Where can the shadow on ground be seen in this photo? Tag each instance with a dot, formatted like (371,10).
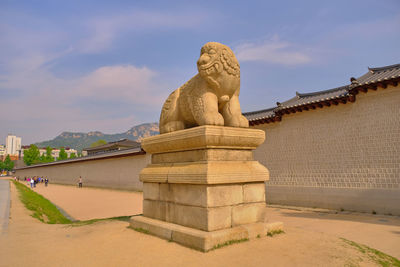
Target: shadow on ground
(344,216)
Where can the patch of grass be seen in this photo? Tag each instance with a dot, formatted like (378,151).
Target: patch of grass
(119,218)
(42,209)
(375,255)
(230,242)
(275,232)
(47,212)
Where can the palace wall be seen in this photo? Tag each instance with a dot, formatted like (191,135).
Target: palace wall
(339,157)
(115,171)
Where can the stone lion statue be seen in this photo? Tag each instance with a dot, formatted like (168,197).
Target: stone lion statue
(211,97)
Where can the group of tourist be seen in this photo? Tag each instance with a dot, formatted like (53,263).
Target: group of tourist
(32,181)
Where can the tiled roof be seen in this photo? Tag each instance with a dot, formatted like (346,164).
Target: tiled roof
(373,78)
(260,114)
(298,101)
(121,143)
(315,97)
(376,75)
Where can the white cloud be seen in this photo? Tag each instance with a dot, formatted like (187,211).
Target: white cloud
(120,82)
(102,31)
(110,99)
(272,51)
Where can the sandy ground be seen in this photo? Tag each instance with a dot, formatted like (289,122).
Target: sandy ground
(307,241)
(376,231)
(92,203)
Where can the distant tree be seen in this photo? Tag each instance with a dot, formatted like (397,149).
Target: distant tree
(49,157)
(80,154)
(72,155)
(98,143)
(8,164)
(42,158)
(63,155)
(1,165)
(31,155)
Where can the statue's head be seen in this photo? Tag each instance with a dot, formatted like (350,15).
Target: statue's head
(217,62)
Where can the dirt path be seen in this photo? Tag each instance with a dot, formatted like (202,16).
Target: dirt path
(4,205)
(29,242)
(92,203)
(376,231)
(379,232)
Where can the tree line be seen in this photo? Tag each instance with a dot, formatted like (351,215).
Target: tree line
(32,155)
(7,164)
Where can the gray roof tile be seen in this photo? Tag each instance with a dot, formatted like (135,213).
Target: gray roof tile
(315,97)
(123,143)
(260,114)
(373,76)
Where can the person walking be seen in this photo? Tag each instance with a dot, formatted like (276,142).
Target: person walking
(80,182)
(46,181)
(32,182)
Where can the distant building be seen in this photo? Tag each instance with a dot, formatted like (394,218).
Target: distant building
(2,152)
(13,146)
(55,153)
(110,147)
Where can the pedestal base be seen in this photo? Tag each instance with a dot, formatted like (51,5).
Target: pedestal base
(202,240)
(205,207)
(203,187)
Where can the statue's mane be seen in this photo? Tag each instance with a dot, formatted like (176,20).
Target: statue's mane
(229,61)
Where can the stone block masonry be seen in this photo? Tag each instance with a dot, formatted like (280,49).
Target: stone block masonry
(207,189)
(213,207)
(341,157)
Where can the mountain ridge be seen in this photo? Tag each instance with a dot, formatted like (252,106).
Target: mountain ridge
(81,140)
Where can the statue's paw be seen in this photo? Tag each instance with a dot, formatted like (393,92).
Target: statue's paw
(172,126)
(232,122)
(244,123)
(237,121)
(214,119)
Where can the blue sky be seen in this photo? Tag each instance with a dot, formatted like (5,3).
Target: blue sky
(109,65)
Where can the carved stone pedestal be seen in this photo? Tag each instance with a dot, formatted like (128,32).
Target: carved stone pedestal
(203,187)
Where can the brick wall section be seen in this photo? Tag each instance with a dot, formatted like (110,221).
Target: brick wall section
(117,173)
(345,156)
